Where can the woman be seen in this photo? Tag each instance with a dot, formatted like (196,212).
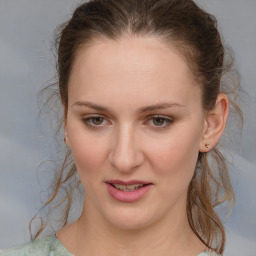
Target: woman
(140,82)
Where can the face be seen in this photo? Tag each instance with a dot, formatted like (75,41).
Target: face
(134,116)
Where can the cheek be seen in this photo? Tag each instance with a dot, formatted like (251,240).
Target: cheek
(174,165)
(89,154)
(175,157)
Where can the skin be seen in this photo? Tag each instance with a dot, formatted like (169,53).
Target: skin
(125,76)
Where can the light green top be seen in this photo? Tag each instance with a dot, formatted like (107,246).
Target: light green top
(51,246)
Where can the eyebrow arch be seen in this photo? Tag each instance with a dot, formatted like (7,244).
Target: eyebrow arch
(158,106)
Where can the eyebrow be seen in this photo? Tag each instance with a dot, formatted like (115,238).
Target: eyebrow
(158,106)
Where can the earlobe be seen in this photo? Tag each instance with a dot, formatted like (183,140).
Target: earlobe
(214,124)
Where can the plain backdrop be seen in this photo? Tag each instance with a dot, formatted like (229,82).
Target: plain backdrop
(27,65)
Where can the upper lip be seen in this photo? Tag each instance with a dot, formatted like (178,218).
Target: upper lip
(130,182)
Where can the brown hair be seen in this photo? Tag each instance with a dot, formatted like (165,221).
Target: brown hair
(194,33)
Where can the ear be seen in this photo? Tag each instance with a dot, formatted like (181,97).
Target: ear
(214,123)
(66,138)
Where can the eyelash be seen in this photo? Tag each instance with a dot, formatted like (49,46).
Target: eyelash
(167,121)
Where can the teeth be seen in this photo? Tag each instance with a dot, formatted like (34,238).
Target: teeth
(127,188)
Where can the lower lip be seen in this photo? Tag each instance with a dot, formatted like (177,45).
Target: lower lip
(128,196)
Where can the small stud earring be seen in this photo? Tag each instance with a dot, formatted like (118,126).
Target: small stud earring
(207,145)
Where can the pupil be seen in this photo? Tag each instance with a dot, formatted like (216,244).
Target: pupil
(97,120)
(158,121)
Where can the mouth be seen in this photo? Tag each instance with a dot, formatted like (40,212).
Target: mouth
(128,188)
(128,191)
(128,185)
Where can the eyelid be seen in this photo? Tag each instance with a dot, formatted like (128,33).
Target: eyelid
(161,116)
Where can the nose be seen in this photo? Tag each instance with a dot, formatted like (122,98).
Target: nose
(125,154)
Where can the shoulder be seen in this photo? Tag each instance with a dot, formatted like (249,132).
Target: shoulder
(48,246)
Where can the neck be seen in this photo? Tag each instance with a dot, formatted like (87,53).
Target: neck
(170,236)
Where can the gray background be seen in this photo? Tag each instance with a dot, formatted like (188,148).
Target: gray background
(27,65)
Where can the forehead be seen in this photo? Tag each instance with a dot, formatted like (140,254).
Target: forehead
(131,66)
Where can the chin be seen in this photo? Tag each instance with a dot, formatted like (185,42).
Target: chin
(128,219)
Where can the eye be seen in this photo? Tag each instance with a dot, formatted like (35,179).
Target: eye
(93,121)
(97,120)
(157,121)
(161,122)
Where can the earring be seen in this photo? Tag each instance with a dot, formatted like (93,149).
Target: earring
(206,145)
(64,139)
